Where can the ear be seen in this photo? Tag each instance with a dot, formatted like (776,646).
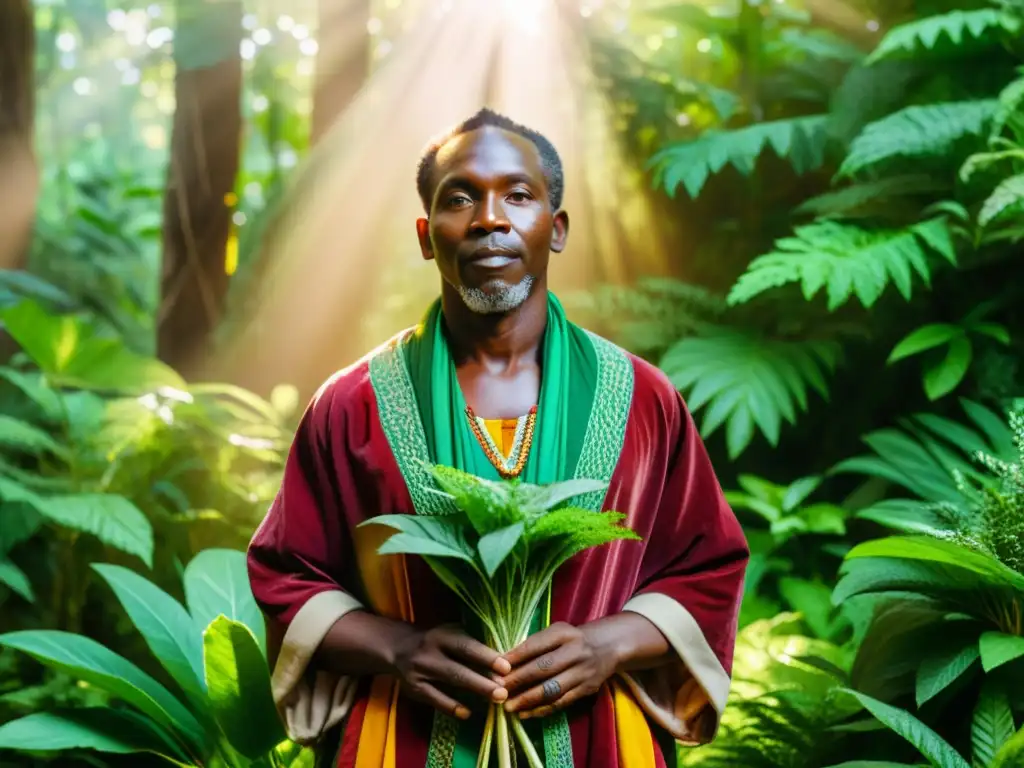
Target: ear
(423,233)
(559,231)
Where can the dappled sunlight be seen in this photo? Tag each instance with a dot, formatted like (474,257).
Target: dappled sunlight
(347,270)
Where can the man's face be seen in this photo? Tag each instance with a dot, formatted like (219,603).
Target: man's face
(491,226)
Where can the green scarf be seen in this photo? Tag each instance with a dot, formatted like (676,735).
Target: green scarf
(568,383)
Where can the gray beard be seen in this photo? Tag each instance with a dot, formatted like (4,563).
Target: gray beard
(500,297)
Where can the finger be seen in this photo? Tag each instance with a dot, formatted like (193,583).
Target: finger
(462,647)
(451,673)
(548,692)
(542,668)
(563,702)
(543,642)
(428,694)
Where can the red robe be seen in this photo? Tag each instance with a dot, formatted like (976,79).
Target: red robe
(686,576)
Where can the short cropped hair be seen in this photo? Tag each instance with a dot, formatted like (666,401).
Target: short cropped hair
(549,159)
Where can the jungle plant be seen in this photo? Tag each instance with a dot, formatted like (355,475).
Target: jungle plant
(213,651)
(497,551)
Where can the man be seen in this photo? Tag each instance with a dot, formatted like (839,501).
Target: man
(369,660)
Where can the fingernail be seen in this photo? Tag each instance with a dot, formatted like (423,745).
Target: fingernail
(502,667)
(524,716)
(462,713)
(499,695)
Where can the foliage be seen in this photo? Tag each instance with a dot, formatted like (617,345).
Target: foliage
(224,710)
(498,551)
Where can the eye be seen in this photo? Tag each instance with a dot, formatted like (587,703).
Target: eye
(519,196)
(457,200)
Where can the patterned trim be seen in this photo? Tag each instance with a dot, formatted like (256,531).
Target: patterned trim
(400,419)
(606,428)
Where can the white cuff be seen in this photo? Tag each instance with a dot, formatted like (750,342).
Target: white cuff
(310,701)
(678,698)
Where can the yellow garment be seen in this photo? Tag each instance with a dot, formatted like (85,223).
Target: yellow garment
(387,585)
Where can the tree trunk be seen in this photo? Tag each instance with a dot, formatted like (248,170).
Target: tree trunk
(199,199)
(343,61)
(19,174)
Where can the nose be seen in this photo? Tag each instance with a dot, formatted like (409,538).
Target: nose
(490,216)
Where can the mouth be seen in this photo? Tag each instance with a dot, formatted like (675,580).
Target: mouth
(492,258)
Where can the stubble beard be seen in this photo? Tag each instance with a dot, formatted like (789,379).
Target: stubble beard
(497,297)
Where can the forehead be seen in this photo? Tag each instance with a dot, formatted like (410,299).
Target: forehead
(488,153)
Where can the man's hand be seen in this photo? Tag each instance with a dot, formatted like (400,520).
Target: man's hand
(428,663)
(557,667)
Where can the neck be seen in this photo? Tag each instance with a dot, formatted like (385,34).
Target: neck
(505,338)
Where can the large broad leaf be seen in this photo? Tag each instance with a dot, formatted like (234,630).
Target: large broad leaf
(547,497)
(87,660)
(943,552)
(905,515)
(800,140)
(12,577)
(955,26)
(916,132)
(927,742)
(217,584)
(112,519)
(992,725)
(998,648)
(955,652)
(497,545)
(101,729)
(846,260)
(171,634)
(33,386)
(924,338)
(71,351)
(411,544)
(239,686)
(744,381)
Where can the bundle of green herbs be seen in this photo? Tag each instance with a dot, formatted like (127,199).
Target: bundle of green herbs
(498,551)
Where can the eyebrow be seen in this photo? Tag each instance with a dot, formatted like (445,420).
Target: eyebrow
(464,181)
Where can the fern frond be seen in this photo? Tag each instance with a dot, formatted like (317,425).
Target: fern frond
(956,26)
(1009,194)
(743,381)
(931,130)
(845,259)
(799,140)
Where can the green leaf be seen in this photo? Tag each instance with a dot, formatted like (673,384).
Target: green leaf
(918,131)
(12,577)
(924,338)
(812,600)
(551,496)
(1012,753)
(494,547)
(94,664)
(992,725)
(825,518)
(1008,194)
(927,742)
(844,259)
(217,584)
(943,666)
(72,352)
(994,331)
(239,685)
(100,728)
(938,551)
(114,520)
(800,140)
(998,648)
(34,387)
(905,515)
(944,377)
(23,437)
(170,633)
(411,544)
(956,26)
(757,382)
(798,492)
